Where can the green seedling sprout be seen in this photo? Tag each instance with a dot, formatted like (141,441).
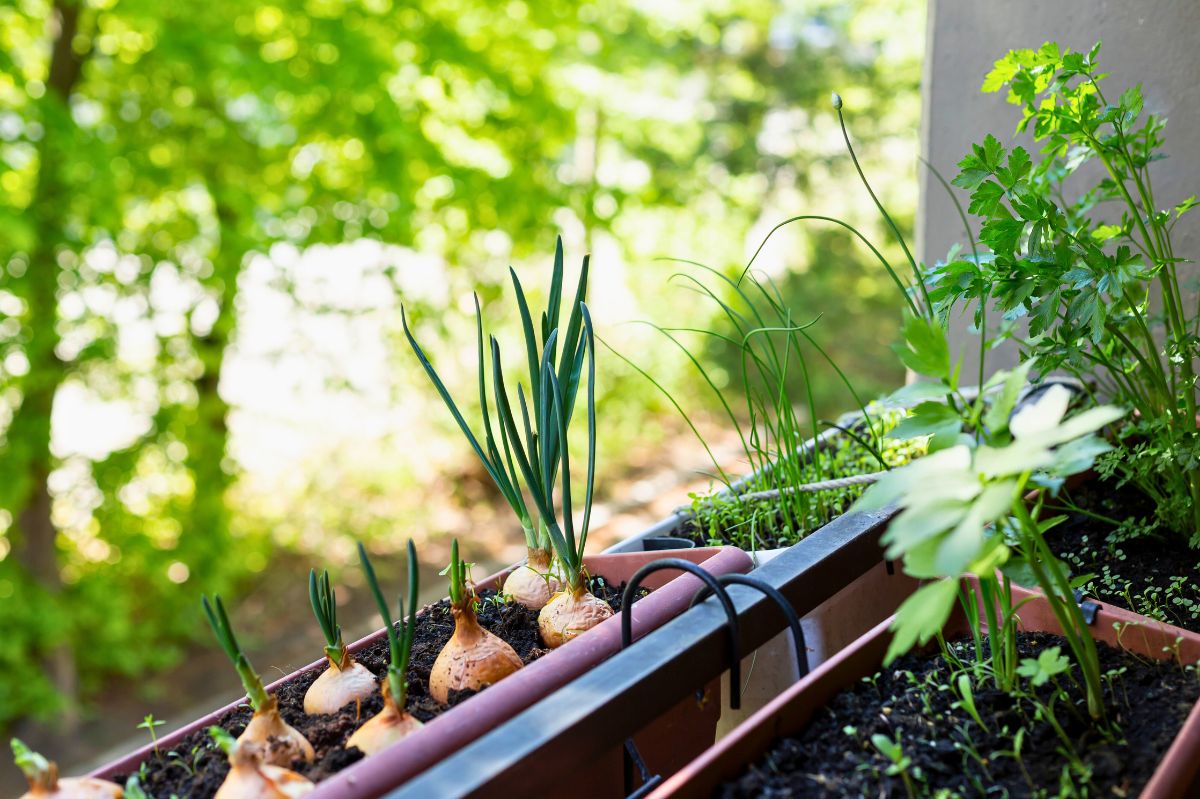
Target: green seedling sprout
(394,722)
(532,585)
(266,723)
(473,658)
(149,723)
(345,681)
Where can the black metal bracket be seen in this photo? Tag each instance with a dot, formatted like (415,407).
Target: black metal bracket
(789,614)
(712,585)
(1089,608)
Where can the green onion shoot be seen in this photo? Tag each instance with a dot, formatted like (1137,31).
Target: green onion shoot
(393,722)
(473,658)
(533,583)
(345,680)
(280,742)
(42,775)
(574,610)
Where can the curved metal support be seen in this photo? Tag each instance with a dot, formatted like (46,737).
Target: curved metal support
(630,755)
(789,614)
(631,589)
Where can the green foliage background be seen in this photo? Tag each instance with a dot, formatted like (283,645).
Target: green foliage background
(144,142)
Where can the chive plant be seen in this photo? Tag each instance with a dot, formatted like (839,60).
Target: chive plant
(251,778)
(533,583)
(544,466)
(281,743)
(394,722)
(773,350)
(473,658)
(345,680)
(44,782)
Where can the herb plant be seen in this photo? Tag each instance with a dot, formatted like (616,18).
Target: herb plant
(345,680)
(394,722)
(964,512)
(533,584)
(266,726)
(1101,292)
(474,657)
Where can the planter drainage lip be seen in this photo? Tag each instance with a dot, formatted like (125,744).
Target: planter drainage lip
(597,711)
(460,725)
(1176,777)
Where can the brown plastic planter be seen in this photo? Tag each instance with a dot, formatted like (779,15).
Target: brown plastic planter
(1177,775)
(464,723)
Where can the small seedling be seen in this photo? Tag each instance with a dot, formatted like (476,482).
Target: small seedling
(149,723)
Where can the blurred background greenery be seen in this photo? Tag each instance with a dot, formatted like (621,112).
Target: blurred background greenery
(211,211)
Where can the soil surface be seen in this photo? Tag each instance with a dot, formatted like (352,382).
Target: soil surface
(1157,576)
(947,749)
(195,768)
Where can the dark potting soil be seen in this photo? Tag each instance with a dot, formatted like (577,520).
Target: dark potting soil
(1157,576)
(835,757)
(195,768)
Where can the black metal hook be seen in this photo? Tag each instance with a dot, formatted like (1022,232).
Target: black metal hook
(789,614)
(713,585)
(631,756)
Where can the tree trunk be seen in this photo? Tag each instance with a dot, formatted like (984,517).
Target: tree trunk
(29,434)
(207,438)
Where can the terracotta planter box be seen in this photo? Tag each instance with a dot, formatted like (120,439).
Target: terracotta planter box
(1177,775)
(464,723)
(828,629)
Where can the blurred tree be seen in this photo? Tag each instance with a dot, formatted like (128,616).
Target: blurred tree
(150,151)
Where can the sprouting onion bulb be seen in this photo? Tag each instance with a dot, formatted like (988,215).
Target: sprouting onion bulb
(345,680)
(534,583)
(251,778)
(536,580)
(573,610)
(393,723)
(473,658)
(44,782)
(280,743)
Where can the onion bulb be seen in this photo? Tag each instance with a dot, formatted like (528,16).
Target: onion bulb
(44,783)
(535,581)
(570,613)
(473,658)
(384,728)
(251,778)
(338,687)
(279,741)
(345,681)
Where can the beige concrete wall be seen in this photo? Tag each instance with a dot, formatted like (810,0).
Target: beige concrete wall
(1152,42)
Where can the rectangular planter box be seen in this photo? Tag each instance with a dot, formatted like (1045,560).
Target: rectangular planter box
(1177,775)
(464,723)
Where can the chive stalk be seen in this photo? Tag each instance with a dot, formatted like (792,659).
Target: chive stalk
(281,743)
(345,680)
(393,722)
(473,658)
